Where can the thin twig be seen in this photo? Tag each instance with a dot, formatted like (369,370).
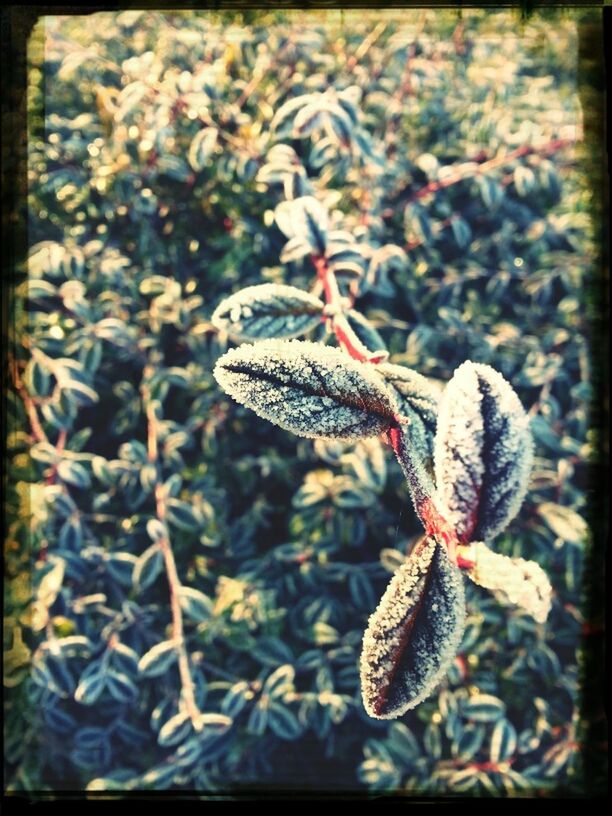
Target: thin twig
(365,46)
(37,429)
(472,170)
(174,583)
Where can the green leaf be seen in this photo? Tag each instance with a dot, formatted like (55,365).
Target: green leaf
(564,522)
(175,730)
(268,310)
(258,719)
(483,708)
(158,659)
(310,389)
(148,566)
(71,534)
(73,473)
(202,147)
(461,232)
(120,687)
(419,400)
(195,604)
(469,742)
(492,193)
(304,217)
(365,331)
(236,699)
(280,681)
(503,741)
(272,651)
(182,515)
(90,688)
(295,249)
(283,722)
(157,530)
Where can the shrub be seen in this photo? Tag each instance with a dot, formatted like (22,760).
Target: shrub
(188,585)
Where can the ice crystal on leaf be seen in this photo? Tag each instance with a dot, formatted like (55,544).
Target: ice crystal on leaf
(268,310)
(414,634)
(514,580)
(483,452)
(310,389)
(418,398)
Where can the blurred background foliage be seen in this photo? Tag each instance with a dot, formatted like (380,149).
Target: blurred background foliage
(147,205)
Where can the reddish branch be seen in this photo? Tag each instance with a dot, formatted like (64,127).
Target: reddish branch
(436,525)
(345,335)
(469,171)
(174,583)
(59,449)
(434,522)
(37,429)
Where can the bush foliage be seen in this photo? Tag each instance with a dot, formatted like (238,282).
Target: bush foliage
(167,549)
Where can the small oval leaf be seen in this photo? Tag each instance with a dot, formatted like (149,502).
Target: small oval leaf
(268,310)
(308,388)
(503,741)
(414,634)
(483,708)
(514,580)
(148,566)
(483,452)
(195,605)
(158,659)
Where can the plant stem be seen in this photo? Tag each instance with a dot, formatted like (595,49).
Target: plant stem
(420,484)
(174,583)
(345,335)
(422,493)
(37,429)
(470,170)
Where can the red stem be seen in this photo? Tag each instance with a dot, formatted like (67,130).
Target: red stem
(486,167)
(421,492)
(419,483)
(345,335)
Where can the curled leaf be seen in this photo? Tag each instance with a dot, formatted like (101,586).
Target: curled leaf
(268,310)
(513,580)
(310,389)
(483,452)
(414,634)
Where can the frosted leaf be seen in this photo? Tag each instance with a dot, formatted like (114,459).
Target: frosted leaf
(419,399)
(307,388)
(414,634)
(483,452)
(268,310)
(282,154)
(305,217)
(366,332)
(513,580)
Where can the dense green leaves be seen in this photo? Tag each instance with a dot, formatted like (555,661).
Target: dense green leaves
(430,167)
